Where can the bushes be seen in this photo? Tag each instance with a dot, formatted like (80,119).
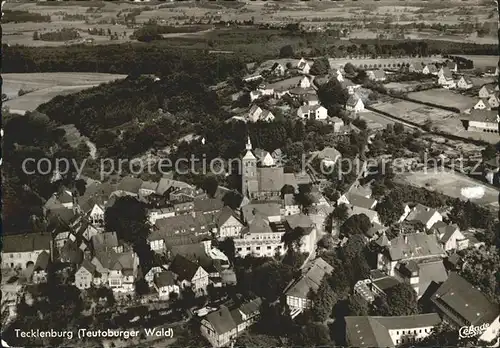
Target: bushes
(64,34)
(15,16)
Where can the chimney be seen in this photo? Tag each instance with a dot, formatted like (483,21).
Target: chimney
(406,239)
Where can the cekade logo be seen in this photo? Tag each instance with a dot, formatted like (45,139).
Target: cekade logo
(472,331)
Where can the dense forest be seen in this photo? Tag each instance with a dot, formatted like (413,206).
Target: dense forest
(126,59)
(23,193)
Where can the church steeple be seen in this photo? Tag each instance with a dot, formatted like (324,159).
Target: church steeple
(248,146)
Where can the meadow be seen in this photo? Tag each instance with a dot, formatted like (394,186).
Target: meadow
(444,97)
(42,87)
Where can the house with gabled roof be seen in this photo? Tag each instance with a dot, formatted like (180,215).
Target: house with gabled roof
(494,100)
(228,223)
(450,236)
(452,66)
(447,82)
(352,198)
(486,91)
(312,112)
(116,270)
(420,274)
(106,241)
(165,284)
(464,83)
(22,250)
(303,223)
(303,66)
(128,186)
(223,326)
(254,113)
(412,246)
(354,104)
(481,121)
(427,216)
(189,274)
(260,238)
(277,69)
(482,104)
(445,71)
(84,275)
(298,292)
(460,304)
(375,331)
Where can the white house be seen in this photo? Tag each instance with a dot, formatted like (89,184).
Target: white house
(445,71)
(447,82)
(267,116)
(449,236)
(254,113)
(21,251)
(482,104)
(303,66)
(259,239)
(290,205)
(464,83)
(494,100)
(312,112)
(328,156)
(228,225)
(389,331)
(354,104)
(165,284)
(298,292)
(189,274)
(486,91)
(482,121)
(278,69)
(305,82)
(96,215)
(427,216)
(84,276)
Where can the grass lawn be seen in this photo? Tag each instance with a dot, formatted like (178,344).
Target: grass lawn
(444,97)
(451,184)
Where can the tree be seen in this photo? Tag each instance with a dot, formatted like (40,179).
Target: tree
(489,152)
(323,301)
(390,209)
(356,224)
(227,247)
(341,213)
(320,66)
(481,268)
(401,300)
(287,52)
(357,306)
(332,94)
(128,218)
(232,199)
(209,185)
(398,128)
(312,335)
(349,69)
(326,242)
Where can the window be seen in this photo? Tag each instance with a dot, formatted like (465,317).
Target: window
(269,247)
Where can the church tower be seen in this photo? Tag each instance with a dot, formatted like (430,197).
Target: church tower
(248,169)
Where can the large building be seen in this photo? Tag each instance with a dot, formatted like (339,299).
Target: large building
(297,293)
(263,182)
(389,331)
(461,304)
(417,247)
(20,251)
(481,121)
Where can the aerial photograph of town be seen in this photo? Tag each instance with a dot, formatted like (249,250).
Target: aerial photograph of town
(249,173)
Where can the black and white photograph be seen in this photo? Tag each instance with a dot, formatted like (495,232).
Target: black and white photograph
(250,173)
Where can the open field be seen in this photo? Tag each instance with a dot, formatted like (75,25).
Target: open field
(451,184)
(311,14)
(45,86)
(481,61)
(444,97)
(413,112)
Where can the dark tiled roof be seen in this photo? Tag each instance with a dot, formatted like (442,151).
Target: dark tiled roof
(310,280)
(208,204)
(221,320)
(105,240)
(130,184)
(466,301)
(416,245)
(164,279)
(25,242)
(374,331)
(183,268)
(42,261)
